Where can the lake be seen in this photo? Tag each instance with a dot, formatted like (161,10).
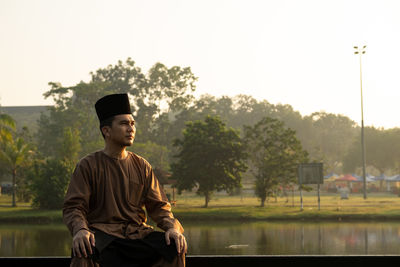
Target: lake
(256,238)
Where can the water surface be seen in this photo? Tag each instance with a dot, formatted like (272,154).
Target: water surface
(260,238)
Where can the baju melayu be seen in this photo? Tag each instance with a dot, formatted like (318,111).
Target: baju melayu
(107,196)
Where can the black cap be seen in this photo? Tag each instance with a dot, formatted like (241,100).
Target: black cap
(111,105)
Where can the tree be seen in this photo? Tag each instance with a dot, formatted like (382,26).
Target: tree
(174,86)
(49,182)
(161,90)
(333,135)
(155,154)
(14,153)
(74,106)
(74,110)
(382,150)
(70,146)
(15,156)
(274,154)
(7,128)
(7,125)
(49,178)
(211,157)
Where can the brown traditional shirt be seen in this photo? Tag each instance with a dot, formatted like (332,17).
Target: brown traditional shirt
(110,195)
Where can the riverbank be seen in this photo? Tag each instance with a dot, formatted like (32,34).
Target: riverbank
(218,214)
(284,214)
(378,207)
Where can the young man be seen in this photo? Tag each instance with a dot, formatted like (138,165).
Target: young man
(105,201)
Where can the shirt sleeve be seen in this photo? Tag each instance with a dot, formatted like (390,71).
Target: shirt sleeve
(76,201)
(157,205)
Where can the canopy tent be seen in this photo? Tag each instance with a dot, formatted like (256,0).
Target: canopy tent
(394,178)
(331,177)
(347,178)
(381,177)
(332,174)
(368,177)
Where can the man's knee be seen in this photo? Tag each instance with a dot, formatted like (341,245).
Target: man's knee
(178,261)
(83,262)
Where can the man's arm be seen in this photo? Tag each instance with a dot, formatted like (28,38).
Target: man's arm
(159,209)
(75,209)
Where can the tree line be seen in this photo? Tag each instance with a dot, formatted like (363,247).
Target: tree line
(205,143)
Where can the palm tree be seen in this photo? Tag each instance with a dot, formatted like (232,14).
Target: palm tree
(7,127)
(14,154)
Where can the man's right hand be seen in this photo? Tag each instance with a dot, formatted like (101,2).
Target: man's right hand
(82,243)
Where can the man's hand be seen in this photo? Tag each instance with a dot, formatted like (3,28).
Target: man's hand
(82,242)
(180,240)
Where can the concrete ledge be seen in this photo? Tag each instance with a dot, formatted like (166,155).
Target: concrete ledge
(222,260)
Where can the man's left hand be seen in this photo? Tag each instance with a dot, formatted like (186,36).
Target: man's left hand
(180,240)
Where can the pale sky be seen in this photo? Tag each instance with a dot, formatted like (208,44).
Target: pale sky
(293,52)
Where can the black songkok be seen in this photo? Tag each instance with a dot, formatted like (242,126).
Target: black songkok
(111,105)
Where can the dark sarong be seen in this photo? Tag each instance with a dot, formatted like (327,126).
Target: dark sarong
(116,252)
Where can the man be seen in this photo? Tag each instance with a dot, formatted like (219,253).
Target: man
(105,201)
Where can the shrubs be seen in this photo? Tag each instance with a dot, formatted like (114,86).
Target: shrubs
(49,182)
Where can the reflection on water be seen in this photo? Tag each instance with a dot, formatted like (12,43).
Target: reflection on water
(34,240)
(296,239)
(261,238)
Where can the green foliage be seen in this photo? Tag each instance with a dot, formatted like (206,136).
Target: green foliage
(74,106)
(331,138)
(382,150)
(211,157)
(70,145)
(326,136)
(70,129)
(49,178)
(171,85)
(274,153)
(170,88)
(7,125)
(49,182)
(155,154)
(15,153)
(162,102)
(71,113)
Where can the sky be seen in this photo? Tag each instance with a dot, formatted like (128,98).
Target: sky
(296,52)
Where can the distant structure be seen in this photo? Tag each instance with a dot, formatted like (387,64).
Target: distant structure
(25,115)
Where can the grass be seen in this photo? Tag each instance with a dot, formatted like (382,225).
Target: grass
(244,208)
(24,213)
(332,208)
(247,207)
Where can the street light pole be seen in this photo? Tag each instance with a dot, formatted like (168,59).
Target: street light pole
(360,52)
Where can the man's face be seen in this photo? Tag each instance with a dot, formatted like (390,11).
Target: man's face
(123,130)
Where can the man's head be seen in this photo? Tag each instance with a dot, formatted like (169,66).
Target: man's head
(116,120)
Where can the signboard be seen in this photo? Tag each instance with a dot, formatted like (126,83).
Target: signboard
(310,173)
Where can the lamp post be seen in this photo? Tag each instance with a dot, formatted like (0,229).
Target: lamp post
(360,51)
